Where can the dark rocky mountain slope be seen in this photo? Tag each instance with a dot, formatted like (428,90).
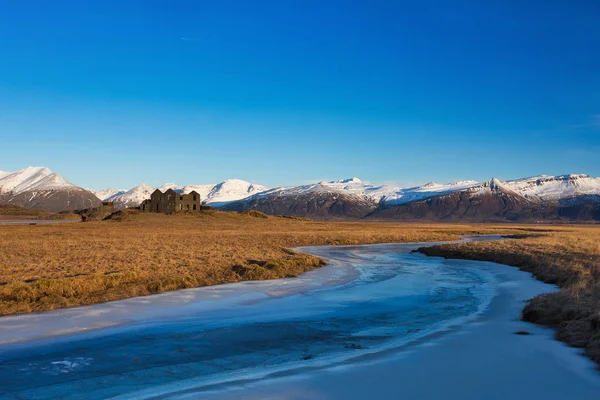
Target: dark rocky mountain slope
(53,200)
(318,205)
(492,202)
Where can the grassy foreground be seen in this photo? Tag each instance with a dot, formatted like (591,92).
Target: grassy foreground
(566,256)
(9,211)
(43,267)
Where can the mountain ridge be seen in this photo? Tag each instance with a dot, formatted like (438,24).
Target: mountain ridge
(528,199)
(543,197)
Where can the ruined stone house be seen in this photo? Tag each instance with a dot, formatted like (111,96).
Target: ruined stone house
(170,201)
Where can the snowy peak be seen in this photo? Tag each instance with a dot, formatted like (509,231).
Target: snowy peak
(132,197)
(346,181)
(351,185)
(32,178)
(495,187)
(51,182)
(231,190)
(106,194)
(494,184)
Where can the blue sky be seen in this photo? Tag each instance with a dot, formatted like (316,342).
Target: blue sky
(115,93)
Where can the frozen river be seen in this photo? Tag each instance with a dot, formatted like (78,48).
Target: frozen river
(377,321)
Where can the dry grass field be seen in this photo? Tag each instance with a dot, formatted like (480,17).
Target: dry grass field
(12,212)
(43,267)
(567,256)
(9,211)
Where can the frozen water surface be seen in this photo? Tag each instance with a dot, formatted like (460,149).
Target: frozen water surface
(371,304)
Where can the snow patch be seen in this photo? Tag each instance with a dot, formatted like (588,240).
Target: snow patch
(107,194)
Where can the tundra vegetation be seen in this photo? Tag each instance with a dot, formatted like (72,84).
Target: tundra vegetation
(43,267)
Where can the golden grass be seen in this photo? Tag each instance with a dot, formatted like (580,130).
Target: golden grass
(9,211)
(44,267)
(566,256)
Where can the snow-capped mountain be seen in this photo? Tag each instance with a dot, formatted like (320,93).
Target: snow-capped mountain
(211,194)
(543,198)
(492,187)
(550,188)
(344,197)
(385,194)
(312,203)
(493,199)
(41,188)
(132,197)
(390,194)
(32,178)
(226,191)
(105,194)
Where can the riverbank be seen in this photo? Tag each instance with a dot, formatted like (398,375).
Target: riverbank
(378,321)
(569,258)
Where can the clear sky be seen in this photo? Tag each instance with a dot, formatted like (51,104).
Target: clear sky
(281,92)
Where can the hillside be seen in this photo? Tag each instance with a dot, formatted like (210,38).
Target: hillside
(311,204)
(39,187)
(547,200)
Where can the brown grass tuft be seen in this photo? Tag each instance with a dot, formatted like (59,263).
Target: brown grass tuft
(254,213)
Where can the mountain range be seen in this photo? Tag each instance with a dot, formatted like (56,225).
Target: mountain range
(536,199)
(574,197)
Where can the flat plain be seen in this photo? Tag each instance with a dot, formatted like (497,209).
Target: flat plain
(135,254)
(44,267)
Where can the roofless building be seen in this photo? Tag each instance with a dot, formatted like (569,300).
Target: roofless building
(170,201)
